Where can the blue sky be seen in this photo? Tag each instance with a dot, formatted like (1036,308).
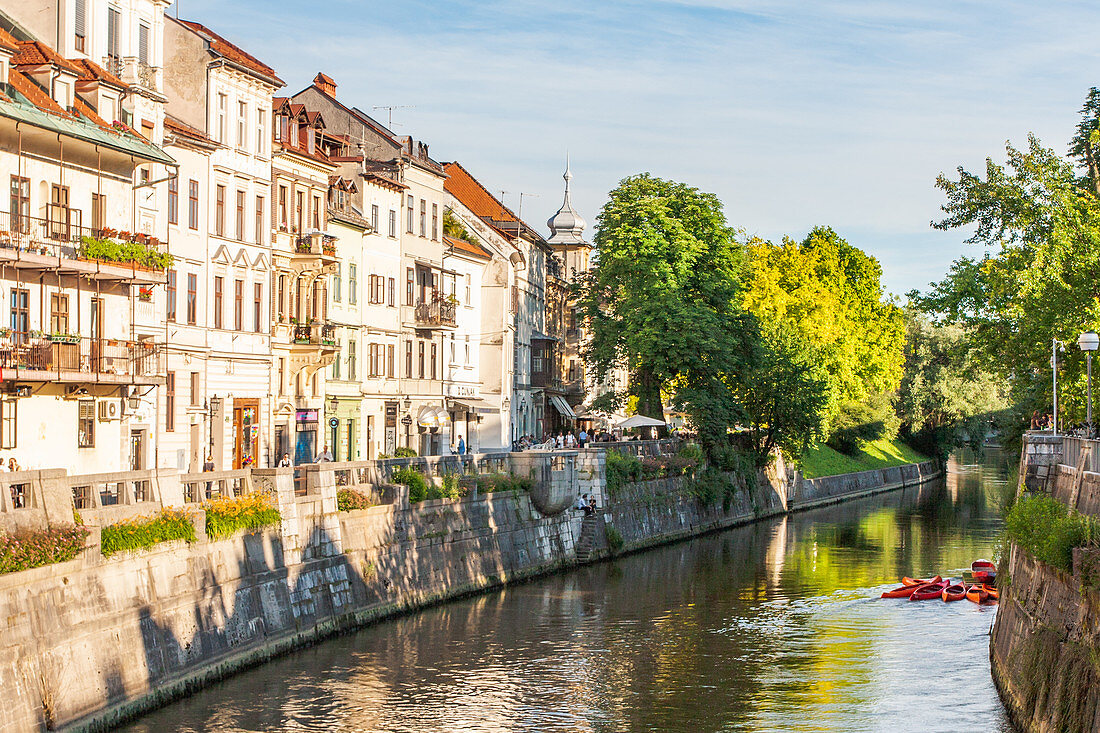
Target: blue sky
(794,113)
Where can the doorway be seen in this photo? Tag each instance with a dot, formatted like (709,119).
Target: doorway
(137,450)
(246,432)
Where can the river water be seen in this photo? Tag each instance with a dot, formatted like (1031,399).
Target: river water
(776,626)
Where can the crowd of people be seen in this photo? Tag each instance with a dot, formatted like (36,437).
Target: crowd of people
(568,440)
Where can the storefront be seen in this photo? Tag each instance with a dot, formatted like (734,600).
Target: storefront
(246,432)
(344,423)
(305,436)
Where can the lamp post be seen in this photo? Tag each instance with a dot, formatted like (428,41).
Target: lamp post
(1055,346)
(1088,341)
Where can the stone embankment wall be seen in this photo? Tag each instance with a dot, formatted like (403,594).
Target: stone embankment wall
(90,642)
(1047,634)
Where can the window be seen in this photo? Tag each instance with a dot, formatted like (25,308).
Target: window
(59,313)
(170,402)
(173,201)
(408,359)
(374,217)
(143,44)
(220,125)
(351,360)
(300,203)
(515,299)
(336,363)
(423,218)
(311,140)
(218,292)
(393,223)
(242,125)
(192,298)
(240,216)
(469,294)
(410,287)
(336,282)
(392,292)
(452,349)
(170,307)
(114,58)
(195,390)
(85,424)
(389,361)
(572,369)
(7,422)
(259,220)
(409,212)
(435,221)
(282,208)
(20,314)
(261,131)
(467,350)
(420,358)
(193,204)
(80,25)
(433,360)
(20,204)
(353,285)
(280,303)
(317,213)
(238,305)
(372,360)
(219,212)
(257,307)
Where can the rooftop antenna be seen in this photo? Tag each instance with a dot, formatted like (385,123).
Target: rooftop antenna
(502,207)
(389,111)
(519,214)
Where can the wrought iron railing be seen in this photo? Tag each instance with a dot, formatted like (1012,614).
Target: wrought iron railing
(318,245)
(63,354)
(62,234)
(439,311)
(315,334)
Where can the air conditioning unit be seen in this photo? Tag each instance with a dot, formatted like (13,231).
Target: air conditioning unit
(110,410)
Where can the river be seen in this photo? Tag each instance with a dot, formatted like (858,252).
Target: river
(776,626)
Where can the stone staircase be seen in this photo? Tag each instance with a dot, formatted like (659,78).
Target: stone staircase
(593,536)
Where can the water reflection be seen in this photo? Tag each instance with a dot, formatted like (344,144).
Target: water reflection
(776,626)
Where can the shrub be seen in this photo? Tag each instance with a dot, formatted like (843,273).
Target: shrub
(404,453)
(452,486)
(136,534)
(490,482)
(349,500)
(614,539)
(418,485)
(225,516)
(622,468)
(691,451)
(1048,531)
(24,550)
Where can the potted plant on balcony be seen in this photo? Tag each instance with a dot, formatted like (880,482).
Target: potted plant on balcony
(5,332)
(303,246)
(60,337)
(145,293)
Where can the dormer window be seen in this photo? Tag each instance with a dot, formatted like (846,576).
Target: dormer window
(294,140)
(310,140)
(62,94)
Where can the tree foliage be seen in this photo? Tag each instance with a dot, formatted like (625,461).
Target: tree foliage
(1041,277)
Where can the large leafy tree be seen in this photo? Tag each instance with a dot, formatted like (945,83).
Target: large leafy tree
(663,295)
(1040,280)
(829,293)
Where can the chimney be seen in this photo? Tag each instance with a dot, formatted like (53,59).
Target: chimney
(325,84)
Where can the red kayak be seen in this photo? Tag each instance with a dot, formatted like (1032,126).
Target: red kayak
(982,594)
(903,591)
(928,592)
(917,581)
(953,592)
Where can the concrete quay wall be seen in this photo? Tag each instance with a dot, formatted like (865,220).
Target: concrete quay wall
(91,642)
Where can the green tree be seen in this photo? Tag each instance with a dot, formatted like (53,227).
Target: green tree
(1041,278)
(947,394)
(830,293)
(663,296)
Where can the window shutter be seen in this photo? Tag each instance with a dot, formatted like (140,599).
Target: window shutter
(112,32)
(79,23)
(143,44)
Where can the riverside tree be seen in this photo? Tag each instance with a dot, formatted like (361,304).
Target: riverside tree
(1041,279)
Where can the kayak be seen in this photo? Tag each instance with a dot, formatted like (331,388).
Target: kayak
(991,591)
(929,591)
(903,591)
(983,565)
(954,592)
(978,594)
(917,581)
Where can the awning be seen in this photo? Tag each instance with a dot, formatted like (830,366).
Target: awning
(473,406)
(431,417)
(562,406)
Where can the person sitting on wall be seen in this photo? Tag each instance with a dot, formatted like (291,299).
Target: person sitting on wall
(582,502)
(325,456)
(590,507)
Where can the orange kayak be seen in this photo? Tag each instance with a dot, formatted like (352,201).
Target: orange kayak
(903,591)
(977,594)
(955,592)
(991,592)
(917,581)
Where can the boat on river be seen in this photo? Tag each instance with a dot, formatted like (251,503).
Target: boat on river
(928,592)
(953,592)
(917,581)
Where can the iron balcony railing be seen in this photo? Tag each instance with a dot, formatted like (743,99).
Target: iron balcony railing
(63,355)
(315,334)
(317,245)
(61,234)
(438,311)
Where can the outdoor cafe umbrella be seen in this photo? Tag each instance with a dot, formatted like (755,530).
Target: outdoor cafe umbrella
(640,421)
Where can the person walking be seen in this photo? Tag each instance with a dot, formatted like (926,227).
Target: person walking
(582,439)
(461,446)
(559,441)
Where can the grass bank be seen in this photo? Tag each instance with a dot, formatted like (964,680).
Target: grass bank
(824,461)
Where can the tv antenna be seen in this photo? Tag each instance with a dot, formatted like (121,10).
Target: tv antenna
(389,111)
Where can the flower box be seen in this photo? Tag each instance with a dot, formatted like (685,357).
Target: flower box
(64,338)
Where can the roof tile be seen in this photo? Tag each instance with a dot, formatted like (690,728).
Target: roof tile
(222,47)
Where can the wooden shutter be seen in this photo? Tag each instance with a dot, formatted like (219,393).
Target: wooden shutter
(143,44)
(112,32)
(80,21)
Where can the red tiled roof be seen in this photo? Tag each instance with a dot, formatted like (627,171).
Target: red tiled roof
(36,53)
(177,127)
(91,71)
(324,78)
(477,198)
(463,246)
(8,41)
(222,47)
(33,93)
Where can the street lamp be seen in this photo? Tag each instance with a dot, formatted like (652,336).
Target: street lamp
(1089,341)
(1055,347)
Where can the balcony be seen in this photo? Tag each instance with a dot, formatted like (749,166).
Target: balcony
(315,334)
(314,252)
(438,312)
(132,70)
(61,243)
(76,359)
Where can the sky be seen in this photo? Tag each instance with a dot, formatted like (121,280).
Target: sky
(795,113)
